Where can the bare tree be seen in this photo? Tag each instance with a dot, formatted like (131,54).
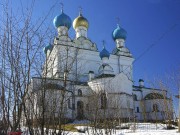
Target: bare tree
(21,40)
(175,77)
(162,100)
(54,89)
(105,109)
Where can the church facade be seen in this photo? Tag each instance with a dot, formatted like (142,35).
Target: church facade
(89,83)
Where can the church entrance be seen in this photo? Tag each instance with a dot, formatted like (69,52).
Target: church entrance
(80,113)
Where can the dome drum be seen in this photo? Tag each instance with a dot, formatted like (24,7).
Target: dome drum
(62,30)
(81,31)
(120,43)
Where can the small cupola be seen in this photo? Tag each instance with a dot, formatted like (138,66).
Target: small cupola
(91,75)
(119,35)
(141,83)
(104,53)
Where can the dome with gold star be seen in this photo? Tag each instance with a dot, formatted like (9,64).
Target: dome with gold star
(80,21)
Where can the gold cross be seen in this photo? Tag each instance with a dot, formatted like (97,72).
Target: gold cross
(118,20)
(80,10)
(62,7)
(103,43)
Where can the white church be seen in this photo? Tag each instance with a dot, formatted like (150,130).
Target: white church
(89,83)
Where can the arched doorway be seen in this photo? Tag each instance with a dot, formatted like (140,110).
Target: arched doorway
(80,108)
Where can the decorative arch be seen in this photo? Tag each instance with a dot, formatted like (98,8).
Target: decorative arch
(153,96)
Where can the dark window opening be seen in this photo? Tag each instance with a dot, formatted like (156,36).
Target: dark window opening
(103,101)
(87,107)
(134,97)
(155,108)
(79,92)
(80,110)
(137,109)
(69,103)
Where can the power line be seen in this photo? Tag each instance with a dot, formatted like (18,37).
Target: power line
(152,45)
(155,43)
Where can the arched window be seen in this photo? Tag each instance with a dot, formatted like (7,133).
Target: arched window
(155,108)
(103,101)
(134,97)
(79,92)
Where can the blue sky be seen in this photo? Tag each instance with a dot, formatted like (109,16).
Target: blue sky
(148,23)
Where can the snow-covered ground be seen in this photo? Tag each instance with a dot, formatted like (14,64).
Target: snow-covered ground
(135,129)
(140,129)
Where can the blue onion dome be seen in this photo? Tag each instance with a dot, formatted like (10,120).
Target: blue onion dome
(119,33)
(62,20)
(104,53)
(48,47)
(80,21)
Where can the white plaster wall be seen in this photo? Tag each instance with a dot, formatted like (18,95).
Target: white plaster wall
(138,94)
(81,31)
(121,83)
(90,61)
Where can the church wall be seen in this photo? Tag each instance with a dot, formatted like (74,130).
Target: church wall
(121,83)
(124,62)
(91,61)
(88,61)
(163,111)
(138,94)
